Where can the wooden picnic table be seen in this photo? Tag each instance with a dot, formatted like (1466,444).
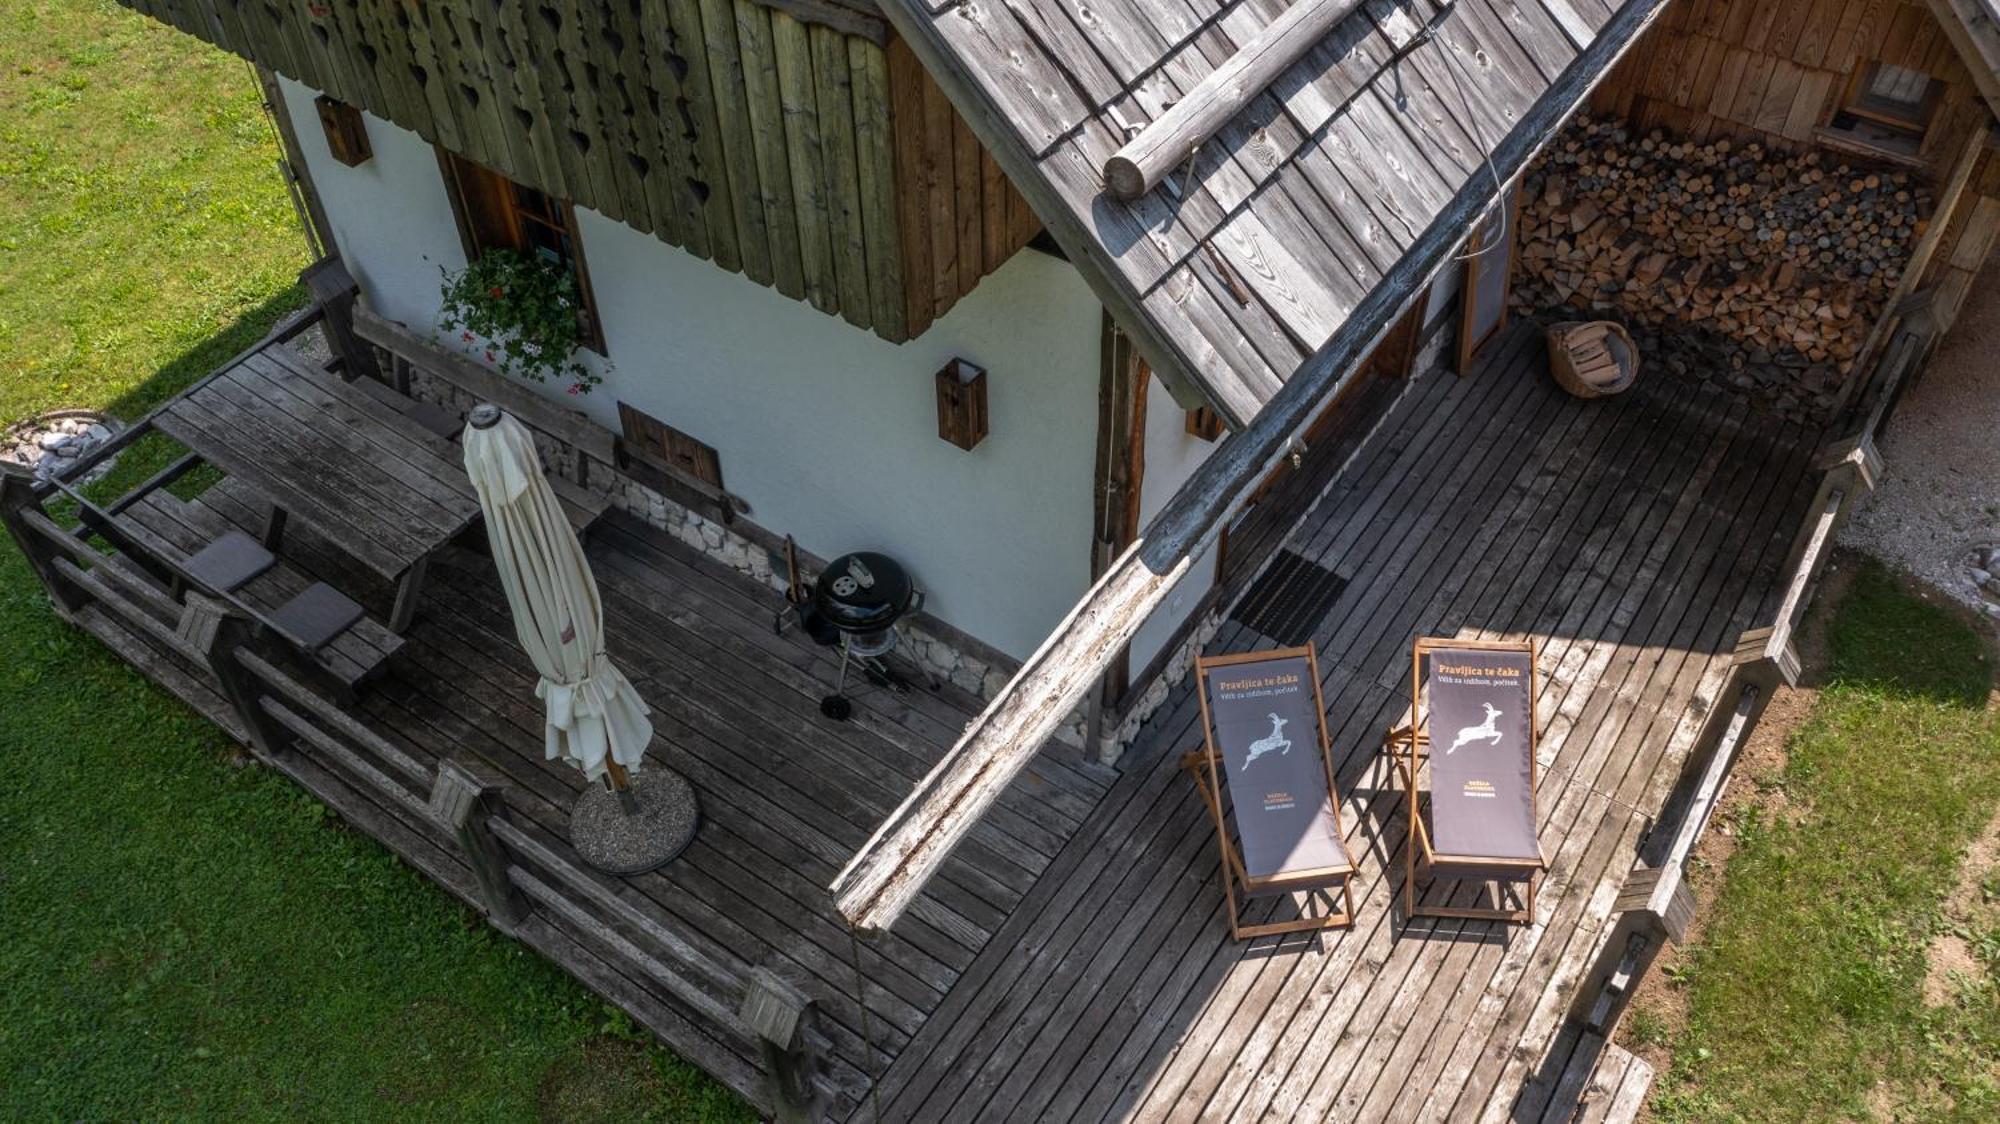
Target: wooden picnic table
(385,489)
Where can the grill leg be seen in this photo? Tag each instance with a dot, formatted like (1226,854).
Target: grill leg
(837,705)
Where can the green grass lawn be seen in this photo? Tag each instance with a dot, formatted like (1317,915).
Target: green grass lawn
(1806,994)
(181,937)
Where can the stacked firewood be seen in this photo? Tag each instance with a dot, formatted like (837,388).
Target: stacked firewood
(1782,251)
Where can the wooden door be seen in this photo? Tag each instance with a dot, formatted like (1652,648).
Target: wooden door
(1489,268)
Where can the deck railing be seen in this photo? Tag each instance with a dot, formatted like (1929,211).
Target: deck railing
(450,818)
(1655,906)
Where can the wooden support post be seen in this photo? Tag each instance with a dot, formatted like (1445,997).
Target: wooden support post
(409,589)
(465,799)
(298,176)
(218,632)
(1766,658)
(781,1017)
(17,494)
(335,290)
(1138,167)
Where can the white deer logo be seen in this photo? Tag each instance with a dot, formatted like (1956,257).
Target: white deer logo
(1277,742)
(1486,730)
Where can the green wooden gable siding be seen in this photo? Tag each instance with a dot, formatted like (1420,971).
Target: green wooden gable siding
(736,131)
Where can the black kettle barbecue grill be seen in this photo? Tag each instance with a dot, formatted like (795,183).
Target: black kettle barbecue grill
(855,603)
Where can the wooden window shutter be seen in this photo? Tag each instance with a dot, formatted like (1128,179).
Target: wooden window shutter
(652,439)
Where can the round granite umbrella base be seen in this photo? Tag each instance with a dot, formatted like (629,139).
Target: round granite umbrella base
(660,826)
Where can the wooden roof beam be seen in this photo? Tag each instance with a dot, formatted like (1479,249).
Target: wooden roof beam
(1160,147)
(882,878)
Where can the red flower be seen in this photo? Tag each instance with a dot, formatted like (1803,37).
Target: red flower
(466,336)
(576,388)
(497,292)
(489,356)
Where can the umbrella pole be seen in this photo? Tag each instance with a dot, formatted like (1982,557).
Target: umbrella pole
(634,824)
(621,783)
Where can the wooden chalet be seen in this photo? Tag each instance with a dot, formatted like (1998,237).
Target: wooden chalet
(1136,331)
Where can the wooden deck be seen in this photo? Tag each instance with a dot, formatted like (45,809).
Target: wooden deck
(786,795)
(1635,538)
(1072,962)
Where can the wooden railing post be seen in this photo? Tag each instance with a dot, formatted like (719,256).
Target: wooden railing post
(331,285)
(465,800)
(17,494)
(782,1016)
(218,632)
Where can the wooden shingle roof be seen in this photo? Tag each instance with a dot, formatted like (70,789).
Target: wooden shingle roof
(1298,231)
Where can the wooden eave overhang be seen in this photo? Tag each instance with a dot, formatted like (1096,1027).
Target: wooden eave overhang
(1254,279)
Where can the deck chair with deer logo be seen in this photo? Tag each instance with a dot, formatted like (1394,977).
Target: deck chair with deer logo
(1467,760)
(1266,731)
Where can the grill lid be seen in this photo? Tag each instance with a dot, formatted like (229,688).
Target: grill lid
(863,592)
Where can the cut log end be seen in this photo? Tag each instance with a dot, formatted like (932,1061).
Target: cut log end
(1123,179)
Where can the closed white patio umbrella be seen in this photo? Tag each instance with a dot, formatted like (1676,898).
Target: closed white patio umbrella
(595,718)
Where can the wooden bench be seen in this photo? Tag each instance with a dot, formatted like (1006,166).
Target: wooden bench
(178,528)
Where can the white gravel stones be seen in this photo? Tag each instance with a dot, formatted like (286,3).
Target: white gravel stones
(1936,513)
(52,443)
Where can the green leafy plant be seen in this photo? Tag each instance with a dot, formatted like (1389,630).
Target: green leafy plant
(528,313)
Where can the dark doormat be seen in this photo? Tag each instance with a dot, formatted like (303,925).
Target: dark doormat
(1290,598)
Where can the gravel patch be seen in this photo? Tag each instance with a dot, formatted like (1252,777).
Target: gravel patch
(1936,514)
(53,443)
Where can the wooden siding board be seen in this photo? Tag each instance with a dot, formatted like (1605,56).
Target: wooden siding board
(876,160)
(674,192)
(736,136)
(907,84)
(939,135)
(764,113)
(805,156)
(843,175)
(727,240)
(968,188)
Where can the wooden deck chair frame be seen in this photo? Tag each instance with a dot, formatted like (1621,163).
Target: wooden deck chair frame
(1408,745)
(1204,765)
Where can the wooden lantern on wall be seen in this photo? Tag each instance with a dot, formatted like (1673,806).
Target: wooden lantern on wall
(346,135)
(961,403)
(1205,423)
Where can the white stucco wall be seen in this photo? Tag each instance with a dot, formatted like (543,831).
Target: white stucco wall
(829,432)
(1172,455)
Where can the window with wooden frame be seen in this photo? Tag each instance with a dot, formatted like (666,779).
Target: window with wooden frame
(1886,109)
(650,439)
(495,213)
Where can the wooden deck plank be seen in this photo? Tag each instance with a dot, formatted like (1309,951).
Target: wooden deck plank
(1487,462)
(1681,666)
(1191,816)
(1071,962)
(1634,537)
(1249,1077)
(752,886)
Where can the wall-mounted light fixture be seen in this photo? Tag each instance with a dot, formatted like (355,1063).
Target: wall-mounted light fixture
(961,403)
(346,135)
